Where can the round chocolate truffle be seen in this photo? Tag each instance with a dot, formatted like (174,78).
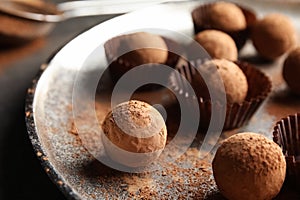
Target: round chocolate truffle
(291,70)
(233,78)
(217,44)
(134,134)
(125,52)
(226,16)
(137,48)
(273,35)
(249,166)
(145,48)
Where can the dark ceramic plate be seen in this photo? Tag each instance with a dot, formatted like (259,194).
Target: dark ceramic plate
(51,115)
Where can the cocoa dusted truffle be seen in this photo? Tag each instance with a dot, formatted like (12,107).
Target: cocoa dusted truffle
(146,48)
(134,134)
(247,87)
(218,44)
(226,16)
(148,51)
(291,70)
(249,166)
(234,80)
(135,49)
(273,35)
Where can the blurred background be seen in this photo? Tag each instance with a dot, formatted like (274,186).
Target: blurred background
(21,175)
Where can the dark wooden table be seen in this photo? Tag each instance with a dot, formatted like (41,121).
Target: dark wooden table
(21,175)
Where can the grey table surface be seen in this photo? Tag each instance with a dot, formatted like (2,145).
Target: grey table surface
(21,175)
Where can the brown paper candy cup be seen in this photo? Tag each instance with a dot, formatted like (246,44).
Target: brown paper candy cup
(200,18)
(237,114)
(287,135)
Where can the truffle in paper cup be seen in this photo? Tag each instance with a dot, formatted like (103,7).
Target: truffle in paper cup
(203,19)
(237,114)
(125,52)
(287,135)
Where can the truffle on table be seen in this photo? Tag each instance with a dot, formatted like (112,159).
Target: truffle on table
(249,166)
(273,35)
(134,134)
(291,70)
(218,44)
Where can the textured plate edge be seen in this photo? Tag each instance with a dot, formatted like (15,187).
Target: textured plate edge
(38,149)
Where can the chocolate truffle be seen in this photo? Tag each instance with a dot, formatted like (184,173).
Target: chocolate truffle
(135,49)
(273,35)
(249,166)
(145,48)
(221,15)
(217,44)
(227,16)
(234,80)
(291,70)
(134,134)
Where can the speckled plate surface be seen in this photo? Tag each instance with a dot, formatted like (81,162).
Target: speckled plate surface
(50,117)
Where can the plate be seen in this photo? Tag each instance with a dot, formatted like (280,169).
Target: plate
(54,119)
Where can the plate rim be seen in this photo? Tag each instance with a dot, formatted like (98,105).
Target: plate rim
(38,149)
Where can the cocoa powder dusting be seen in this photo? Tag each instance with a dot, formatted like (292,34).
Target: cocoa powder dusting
(187,177)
